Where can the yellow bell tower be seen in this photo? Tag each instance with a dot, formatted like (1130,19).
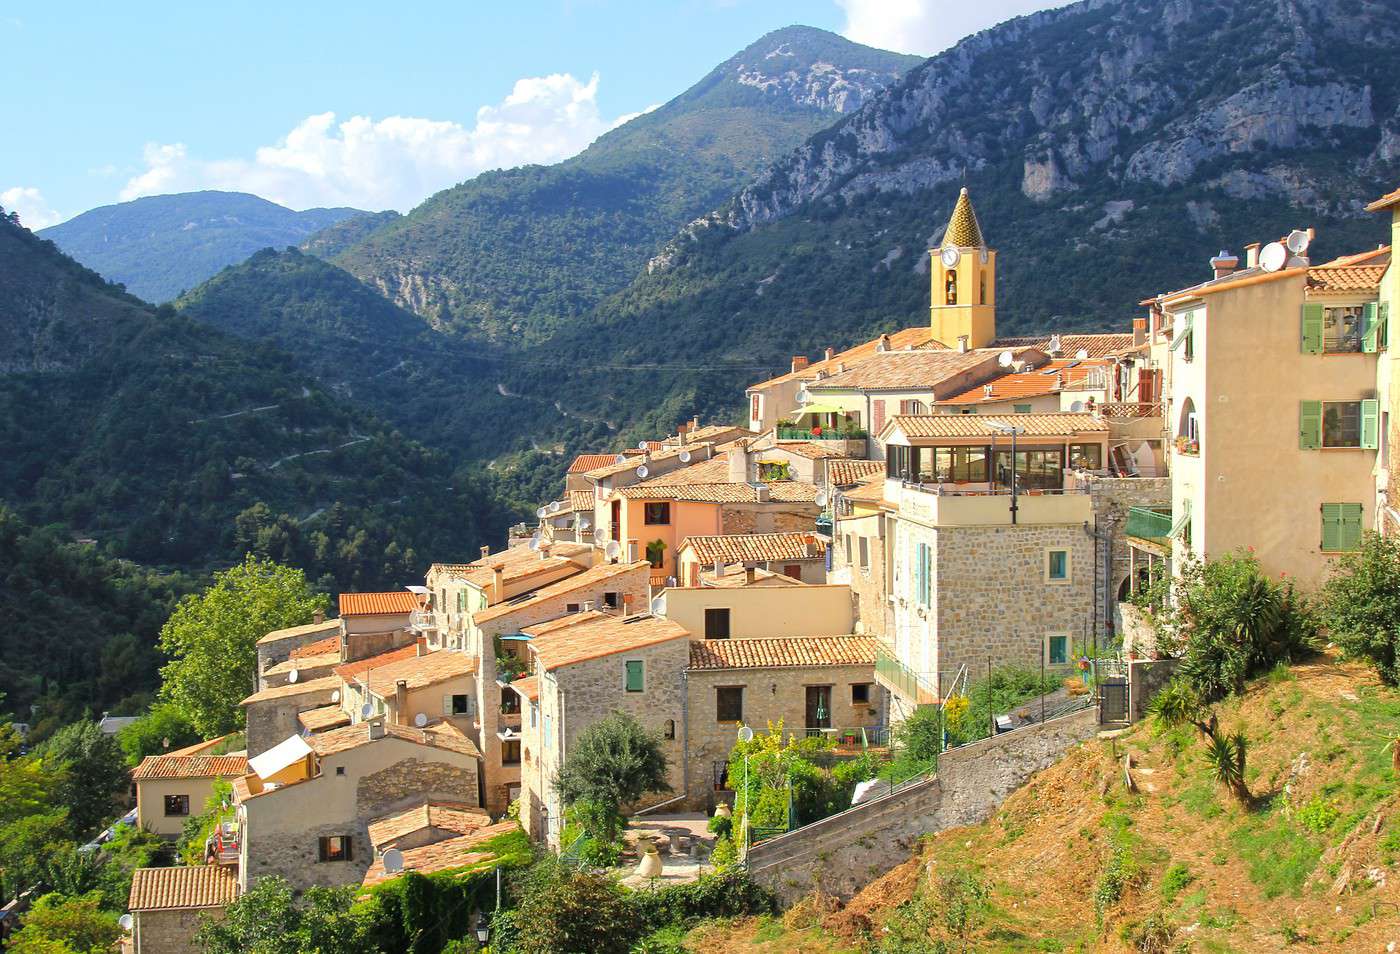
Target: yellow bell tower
(964,300)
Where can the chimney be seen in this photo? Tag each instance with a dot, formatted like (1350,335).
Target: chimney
(544,551)
(421,645)
(719,569)
(1251,255)
(760,493)
(799,361)
(962,344)
(739,463)
(401,702)
(695,423)
(498,584)
(830,353)
(376,728)
(1223,264)
(750,574)
(588,606)
(1139,330)
(884,344)
(485,552)
(1054,346)
(319,616)
(631,551)
(680,433)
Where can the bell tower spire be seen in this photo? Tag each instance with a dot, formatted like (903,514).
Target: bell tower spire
(963,301)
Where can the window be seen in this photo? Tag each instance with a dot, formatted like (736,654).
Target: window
(793,571)
(1184,327)
(1343,329)
(860,694)
(510,702)
(1339,424)
(670,730)
(340,770)
(717,623)
(923,575)
(1057,566)
(1341,527)
(534,714)
(510,752)
(1036,468)
(571,607)
(546,735)
(865,553)
(849,561)
(982,288)
(877,417)
(610,600)
(912,407)
(335,848)
(177,805)
(634,680)
(729,704)
(1086,456)
(950,288)
(956,464)
(1021,408)
(1056,650)
(658,513)
(754,407)
(461,704)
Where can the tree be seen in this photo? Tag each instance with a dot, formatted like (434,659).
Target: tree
(1180,703)
(212,637)
(614,763)
(164,727)
(1361,605)
(564,911)
(94,772)
(26,845)
(268,920)
(58,924)
(27,783)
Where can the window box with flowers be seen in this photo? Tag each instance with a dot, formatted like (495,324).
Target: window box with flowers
(1189,446)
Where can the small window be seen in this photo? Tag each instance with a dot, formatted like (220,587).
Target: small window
(1057,566)
(510,752)
(865,553)
(335,848)
(462,704)
(1086,456)
(534,714)
(860,694)
(658,513)
(340,770)
(793,571)
(849,561)
(1056,650)
(572,607)
(635,679)
(717,623)
(729,704)
(611,600)
(177,805)
(1021,408)
(670,732)
(1341,424)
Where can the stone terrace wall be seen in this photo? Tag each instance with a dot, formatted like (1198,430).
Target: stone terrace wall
(1112,497)
(843,853)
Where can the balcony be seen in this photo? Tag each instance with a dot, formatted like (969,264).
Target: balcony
(1154,526)
(1130,409)
(942,506)
(821,434)
(919,688)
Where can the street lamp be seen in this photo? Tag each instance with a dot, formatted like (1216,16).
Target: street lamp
(745,736)
(1013,430)
(483,929)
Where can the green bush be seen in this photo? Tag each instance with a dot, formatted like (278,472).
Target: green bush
(1121,873)
(1361,605)
(1318,815)
(1176,879)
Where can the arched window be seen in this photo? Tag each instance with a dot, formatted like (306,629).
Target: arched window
(950,288)
(1188,430)
(982,289)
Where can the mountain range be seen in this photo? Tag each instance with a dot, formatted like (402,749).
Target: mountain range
(161,245)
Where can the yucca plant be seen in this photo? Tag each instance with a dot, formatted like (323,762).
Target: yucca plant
(1226,754)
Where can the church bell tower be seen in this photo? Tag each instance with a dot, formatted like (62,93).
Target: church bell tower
(964,287)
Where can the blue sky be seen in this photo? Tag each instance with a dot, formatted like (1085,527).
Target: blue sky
(369,104)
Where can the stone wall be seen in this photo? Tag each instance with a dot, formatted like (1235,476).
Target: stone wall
(1145,678)
(273,720)
(866,583)
(411,782)
(1112,496)
(768,517)
(280,650)
(169,932)
(841,854)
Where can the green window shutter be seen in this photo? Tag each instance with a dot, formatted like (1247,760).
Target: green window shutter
(1371,424)
(634,675)
(1370,328)
(1309,425)
(1351,526)
(1331,527)
(1312,329)
(1383,323)
(1188,321)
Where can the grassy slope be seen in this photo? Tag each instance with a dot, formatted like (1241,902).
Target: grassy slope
(1260,878)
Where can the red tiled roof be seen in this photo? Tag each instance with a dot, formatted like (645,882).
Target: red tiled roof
(975,425)
(419,671)
(294,689)
(442,855)
(350,670)
(1345,278)
(455,817)
(583,463)
(779,491)
(1097,345)
(603,637)
(755,547)
(580,500)
(326,717)
(440,735)
(277,635)
(593,576)
(190,766)
(379,604)
(1049,378)
(321,647)
(843,473)
(186,886)
(528,688)
(779,653)
(1385,201)
(919,336)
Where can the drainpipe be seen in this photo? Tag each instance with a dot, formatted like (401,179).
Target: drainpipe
(1014,507)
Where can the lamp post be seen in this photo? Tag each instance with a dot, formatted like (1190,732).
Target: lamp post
(1013,430)
(746,735)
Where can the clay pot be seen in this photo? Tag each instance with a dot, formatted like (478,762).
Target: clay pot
(651,862)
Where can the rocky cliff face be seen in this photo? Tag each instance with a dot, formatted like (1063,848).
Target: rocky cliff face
(1153,94)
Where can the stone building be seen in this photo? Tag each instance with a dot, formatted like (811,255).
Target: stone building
(277,646)
(171,788)
(754,611)
(801,556)
(860,555)
(272,714)
(167,905)
(813,685)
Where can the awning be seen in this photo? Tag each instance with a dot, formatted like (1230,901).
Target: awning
(287,752)
(519,637)
(818,409)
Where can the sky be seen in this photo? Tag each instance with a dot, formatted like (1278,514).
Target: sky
(370,105)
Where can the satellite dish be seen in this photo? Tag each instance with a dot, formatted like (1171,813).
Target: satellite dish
(506,733)
(583,523)
(293,676)
(1005,358)
(1273,257)
(554,506)
(335,695)
(803,395)
(1298,241)
(822,498)
(421,719)
(745,734)
(658,606)
(642,472)
(620,459)
(393,861)
(641,445)
(125,923)
(1082,354)
(600,536)
(684,457)
(367,710)
(612,550)
(541,512)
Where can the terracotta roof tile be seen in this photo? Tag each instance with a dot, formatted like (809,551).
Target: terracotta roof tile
(632,462)
(456,817)
(1049,378)
(976,425)
(736,577)
(331,644)
(581,500)
(812,450)
(348,671)
(1359,258)
(528,687)
(564,622)
(199,748)
(603,637)
(277,635)
(1385,201)
(419,672)
(305,665)
(294,689)
(190,766)
(1097,345)
(583,463)
(323,718)
(755,547)
(517,562)
(442,855)
(906,370)
(379,604)
(1345,278)
(186,886)
(844,473)
(439,735)
(919,336)
(593,576)
(712,471)
(787,652)
(872,491)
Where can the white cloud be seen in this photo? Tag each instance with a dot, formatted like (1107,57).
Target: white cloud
(394,162)
(927,27)
(34,212)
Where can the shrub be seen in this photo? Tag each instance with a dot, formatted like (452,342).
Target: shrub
(1153,936)
(1176,879)
(1361,605)
(1121,873)
(614,762)
(1318,815)
(729,894)
(568,910)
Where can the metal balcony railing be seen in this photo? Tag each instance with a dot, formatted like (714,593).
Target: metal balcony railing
(1148,524)
(827,434)
(919,688)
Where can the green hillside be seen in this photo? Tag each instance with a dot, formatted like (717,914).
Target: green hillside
(161,245)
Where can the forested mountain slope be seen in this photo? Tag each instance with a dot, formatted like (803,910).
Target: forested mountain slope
(159,246)
(522,253)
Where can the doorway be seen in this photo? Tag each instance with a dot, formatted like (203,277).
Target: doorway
(818,708)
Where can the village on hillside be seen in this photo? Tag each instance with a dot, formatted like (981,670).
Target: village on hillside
(891,525)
